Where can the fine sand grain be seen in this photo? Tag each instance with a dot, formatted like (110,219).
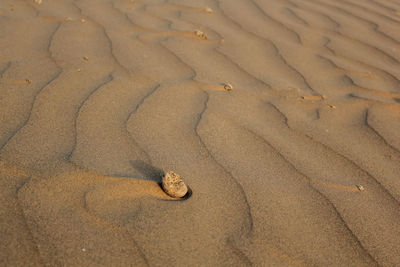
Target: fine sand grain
(282,116)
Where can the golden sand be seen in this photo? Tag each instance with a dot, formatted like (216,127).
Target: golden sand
(297,165)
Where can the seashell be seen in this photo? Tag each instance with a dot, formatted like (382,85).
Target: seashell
(228,86)
(173,185)
(200,34)
(208,10)
(360,187)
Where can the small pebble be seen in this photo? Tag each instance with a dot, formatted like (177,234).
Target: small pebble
(28,81)
(83,20)
(38,2)
(200,34)
(228,87)
(85,58)
(360,187)
(173,185)
(208,10)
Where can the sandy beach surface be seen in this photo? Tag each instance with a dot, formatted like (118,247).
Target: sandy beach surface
(297,165)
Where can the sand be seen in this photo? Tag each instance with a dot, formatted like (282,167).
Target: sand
(298,164)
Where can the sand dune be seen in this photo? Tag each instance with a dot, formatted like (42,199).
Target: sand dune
(297,165)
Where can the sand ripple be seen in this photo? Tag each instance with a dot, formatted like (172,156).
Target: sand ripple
(99,97)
